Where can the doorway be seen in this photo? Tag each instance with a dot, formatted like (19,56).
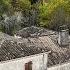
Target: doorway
(28,66)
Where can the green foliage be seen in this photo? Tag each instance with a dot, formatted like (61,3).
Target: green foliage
(4,6)
(54,13)
(7,6)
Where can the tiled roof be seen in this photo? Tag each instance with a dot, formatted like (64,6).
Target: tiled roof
(11,48)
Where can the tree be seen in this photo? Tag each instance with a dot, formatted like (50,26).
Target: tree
(54,13)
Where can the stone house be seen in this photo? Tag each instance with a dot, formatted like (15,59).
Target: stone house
(21,54)
(35,48)
(56,42)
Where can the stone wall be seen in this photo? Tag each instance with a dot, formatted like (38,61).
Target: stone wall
(19,64)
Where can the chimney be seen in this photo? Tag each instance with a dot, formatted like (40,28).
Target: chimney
(63,37)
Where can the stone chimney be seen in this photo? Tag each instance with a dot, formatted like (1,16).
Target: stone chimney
(63,37)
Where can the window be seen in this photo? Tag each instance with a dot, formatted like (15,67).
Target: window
(28,66)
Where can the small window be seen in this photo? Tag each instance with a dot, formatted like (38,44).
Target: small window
(28,66)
